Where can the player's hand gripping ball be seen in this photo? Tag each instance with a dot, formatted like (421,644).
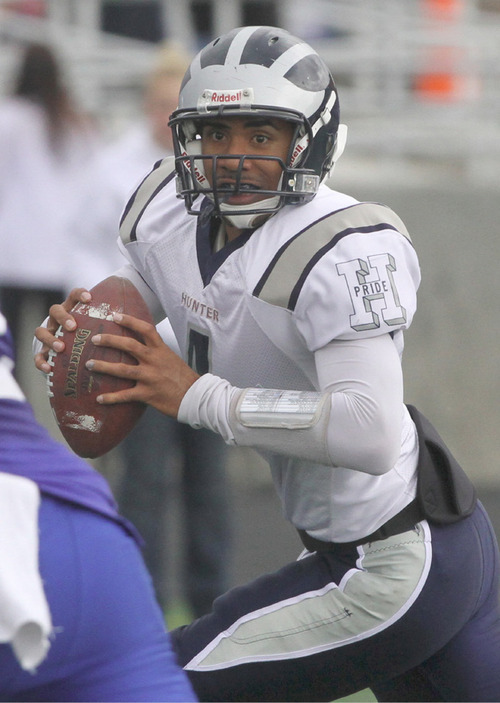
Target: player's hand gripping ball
(92,429)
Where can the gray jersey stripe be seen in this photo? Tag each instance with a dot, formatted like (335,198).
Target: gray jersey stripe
(142,196)
(281,279)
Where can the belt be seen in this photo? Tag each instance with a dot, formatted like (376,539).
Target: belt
(405,520)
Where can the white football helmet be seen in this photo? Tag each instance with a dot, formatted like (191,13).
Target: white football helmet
(265,72)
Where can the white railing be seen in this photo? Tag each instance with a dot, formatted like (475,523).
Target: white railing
(380,51)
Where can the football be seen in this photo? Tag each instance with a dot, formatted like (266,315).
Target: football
(89,428)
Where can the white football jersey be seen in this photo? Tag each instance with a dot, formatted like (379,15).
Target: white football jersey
(256,311)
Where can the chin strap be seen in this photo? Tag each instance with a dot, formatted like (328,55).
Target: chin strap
(247,220)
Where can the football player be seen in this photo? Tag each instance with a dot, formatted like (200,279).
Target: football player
(78,617)
(289,301)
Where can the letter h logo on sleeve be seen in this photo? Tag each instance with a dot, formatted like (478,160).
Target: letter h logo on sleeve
(373,292)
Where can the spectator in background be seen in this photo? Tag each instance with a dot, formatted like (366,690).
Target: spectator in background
(44,143)
(158,446)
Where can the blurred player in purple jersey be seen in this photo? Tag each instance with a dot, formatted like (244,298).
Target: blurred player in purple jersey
(289,301)
(78,618)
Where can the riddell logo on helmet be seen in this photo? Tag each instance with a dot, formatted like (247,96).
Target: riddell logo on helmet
(225,96)
(296,153)
(197,173)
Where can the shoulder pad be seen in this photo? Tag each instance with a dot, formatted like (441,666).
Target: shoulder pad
(162,173)
(282,281)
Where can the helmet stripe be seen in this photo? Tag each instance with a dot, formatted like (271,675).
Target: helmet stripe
(237,48)
(267,45)
(289,58)
(215,53)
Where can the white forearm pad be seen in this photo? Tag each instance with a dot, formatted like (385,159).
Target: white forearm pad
(286,422)
(293,423)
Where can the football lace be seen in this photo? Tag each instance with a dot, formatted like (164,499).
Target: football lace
(50,361)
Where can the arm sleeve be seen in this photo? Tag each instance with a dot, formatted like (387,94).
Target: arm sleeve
(357,424)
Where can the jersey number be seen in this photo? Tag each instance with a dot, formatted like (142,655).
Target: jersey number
(199,351)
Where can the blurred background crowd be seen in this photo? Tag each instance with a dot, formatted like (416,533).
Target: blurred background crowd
(86,87)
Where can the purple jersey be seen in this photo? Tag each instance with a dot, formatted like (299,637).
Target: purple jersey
(27,449)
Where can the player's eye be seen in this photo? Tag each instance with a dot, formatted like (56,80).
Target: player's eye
(261,138)
(216,135)
(211,133)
